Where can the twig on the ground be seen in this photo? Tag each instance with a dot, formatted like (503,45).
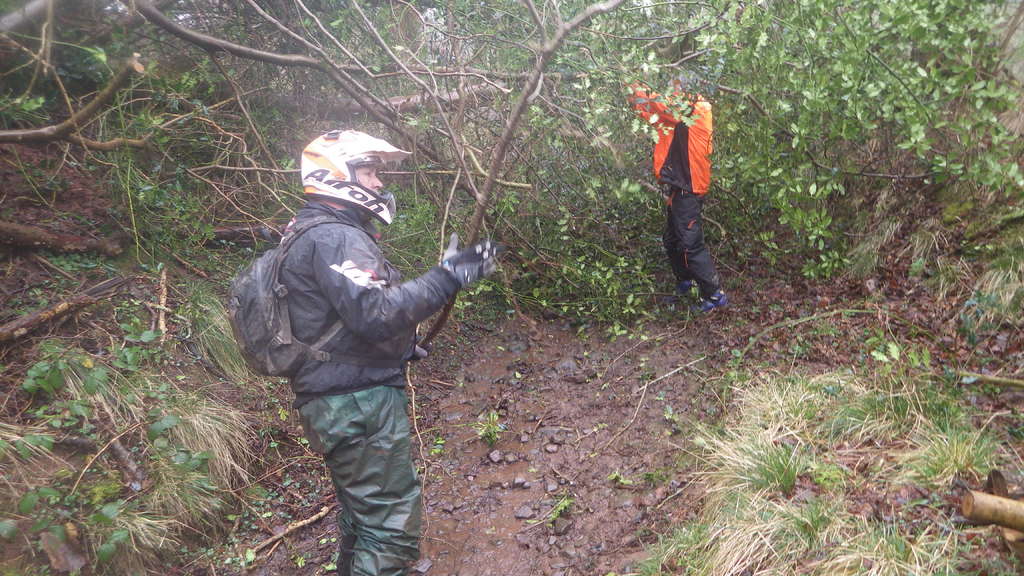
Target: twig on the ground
(42,260)
(190,267)
(294,526)
(641,403)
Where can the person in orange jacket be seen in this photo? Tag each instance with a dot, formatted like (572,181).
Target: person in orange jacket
(682,165)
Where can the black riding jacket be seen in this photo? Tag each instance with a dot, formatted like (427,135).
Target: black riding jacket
(336,270)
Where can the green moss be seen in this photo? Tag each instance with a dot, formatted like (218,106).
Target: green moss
(103,491)
(955,210)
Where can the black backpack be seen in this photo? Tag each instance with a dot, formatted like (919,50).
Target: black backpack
(259,317)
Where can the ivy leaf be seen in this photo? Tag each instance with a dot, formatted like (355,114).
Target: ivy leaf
(894,350)
(28,502)
(44,441)
(107,513)
(94,379)
(109,548)
(162,425)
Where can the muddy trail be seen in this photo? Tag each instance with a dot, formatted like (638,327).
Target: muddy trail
(592,461)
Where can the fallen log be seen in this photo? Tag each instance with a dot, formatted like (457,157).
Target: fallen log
(988,509)
(23,325)
(35,237)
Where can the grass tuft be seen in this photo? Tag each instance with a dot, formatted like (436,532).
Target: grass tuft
(213,335)
(1000,292)
(951,277)
(865,256)
(943,453)
(222,432)
(738,460)
(883,550)
(183,491)
(136,539)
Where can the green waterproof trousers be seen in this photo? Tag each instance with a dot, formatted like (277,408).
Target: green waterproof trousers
(364,437)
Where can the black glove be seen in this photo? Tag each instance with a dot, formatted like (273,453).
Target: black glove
(472,263)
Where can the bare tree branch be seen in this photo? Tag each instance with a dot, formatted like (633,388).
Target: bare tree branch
(80,118)
(157,18)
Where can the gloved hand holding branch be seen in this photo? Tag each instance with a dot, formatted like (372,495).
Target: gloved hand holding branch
(472,263)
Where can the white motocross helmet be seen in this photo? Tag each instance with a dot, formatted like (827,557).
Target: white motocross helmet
(328,169)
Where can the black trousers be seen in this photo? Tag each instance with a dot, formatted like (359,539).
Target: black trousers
(684,242)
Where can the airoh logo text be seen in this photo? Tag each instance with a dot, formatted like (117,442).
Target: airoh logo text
(348,190)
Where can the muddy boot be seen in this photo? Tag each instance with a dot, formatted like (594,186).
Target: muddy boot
(346,551)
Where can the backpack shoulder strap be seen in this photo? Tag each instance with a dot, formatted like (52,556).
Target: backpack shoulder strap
(300,228)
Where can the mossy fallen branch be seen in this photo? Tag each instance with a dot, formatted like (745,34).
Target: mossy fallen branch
(990,379)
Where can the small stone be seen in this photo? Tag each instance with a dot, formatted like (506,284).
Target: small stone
(552,540)
(523,540)
(423,566)
(511,458)
(524,438)
(551,486)
(525,512)
(505,485)
(566,366)
(562,525)
(519,482)
(551,448)
(494,456)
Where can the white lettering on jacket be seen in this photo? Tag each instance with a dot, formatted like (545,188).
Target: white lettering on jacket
(359,277)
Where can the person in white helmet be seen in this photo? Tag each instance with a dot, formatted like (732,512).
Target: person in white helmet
(352,400)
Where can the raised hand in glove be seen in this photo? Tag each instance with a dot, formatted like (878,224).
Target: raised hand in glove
(472,263)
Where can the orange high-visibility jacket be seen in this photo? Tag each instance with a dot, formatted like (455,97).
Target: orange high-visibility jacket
(682,156)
